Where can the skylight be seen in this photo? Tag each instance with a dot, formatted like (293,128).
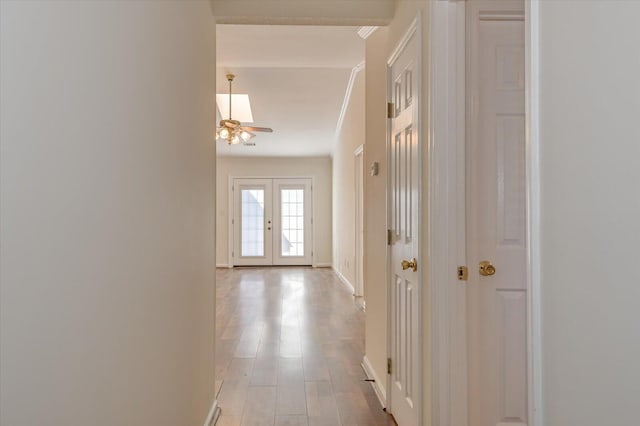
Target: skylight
(240,107)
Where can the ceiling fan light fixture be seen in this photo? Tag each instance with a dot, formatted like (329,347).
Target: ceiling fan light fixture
(231,130)
(246,136)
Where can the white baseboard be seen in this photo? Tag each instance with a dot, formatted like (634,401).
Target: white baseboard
(222,265)
(322,265)
(345,281)
(377,383)
(214,414)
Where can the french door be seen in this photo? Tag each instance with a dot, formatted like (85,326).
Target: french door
(272,221)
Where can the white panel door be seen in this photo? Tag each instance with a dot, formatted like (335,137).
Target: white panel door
(497,296)
(404,207)
(252,222)
(292,244)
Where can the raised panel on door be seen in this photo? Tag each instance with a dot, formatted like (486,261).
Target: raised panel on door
(292,214)
(403,155)
(252,222)
(497,316)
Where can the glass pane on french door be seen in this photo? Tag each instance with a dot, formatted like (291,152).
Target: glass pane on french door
(293,222)
(292,217)
(252,231)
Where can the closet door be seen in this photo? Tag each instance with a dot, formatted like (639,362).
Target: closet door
(252,222)
(292,214)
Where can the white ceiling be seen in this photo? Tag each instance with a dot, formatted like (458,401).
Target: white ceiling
(288,46)
(296,78)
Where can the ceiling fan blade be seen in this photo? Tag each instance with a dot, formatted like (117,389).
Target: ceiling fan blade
(257,129)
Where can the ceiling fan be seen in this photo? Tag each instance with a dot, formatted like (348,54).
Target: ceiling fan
(232,130)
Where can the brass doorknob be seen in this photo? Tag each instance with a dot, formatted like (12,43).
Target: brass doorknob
(486,268)
(413,264)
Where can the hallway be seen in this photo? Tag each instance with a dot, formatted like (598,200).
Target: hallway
(289,344)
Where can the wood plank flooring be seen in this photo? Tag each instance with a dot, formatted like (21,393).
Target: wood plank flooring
(289,343)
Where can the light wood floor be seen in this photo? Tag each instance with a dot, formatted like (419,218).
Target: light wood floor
(289,344)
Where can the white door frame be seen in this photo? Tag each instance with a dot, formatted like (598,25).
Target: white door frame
(446,213)
(414,29)
(358,157)
(231,213)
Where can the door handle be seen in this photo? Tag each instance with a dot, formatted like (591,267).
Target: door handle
(486,268)
(413,264)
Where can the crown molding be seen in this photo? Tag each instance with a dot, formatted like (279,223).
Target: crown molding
(347,95)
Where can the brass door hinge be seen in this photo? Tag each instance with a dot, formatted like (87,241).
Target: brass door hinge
(463,273)
(388,365)
(391,110)
(389,237)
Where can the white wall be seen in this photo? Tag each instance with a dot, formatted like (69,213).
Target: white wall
(107,204)
(375,215)
(350,136)
(590,151)
(317,167)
